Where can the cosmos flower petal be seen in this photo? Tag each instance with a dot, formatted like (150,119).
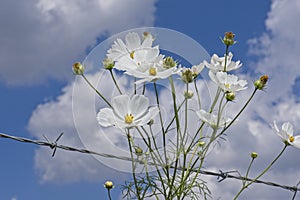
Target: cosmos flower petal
(138,105)
(120,105)
(153,111)
(133,41)
(296,143)
(105,117)
(288,127)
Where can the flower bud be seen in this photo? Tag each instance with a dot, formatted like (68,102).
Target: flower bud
(188,94)
(230,96)
(138,151)
(148,34)
(169,62)
(261,82)
(229,39)
(109,185)
(78,68)
(108,63)
(254,155)
(201,143)
(151,121)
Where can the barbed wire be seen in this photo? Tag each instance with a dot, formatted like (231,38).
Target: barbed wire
(220,175)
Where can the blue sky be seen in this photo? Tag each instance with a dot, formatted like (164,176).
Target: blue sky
(41,39)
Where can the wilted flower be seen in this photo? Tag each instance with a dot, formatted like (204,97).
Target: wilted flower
(286,134)
(212,119)
(228,82)
(218,63)
(127,112)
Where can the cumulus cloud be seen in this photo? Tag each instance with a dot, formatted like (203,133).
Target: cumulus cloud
(41,39)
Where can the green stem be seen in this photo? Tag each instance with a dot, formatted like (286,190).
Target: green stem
(239,113)
(115,82)
(178,133)
(260,175)
(96,90)
(109,196)
(133,166)
(248,170)
(198,95)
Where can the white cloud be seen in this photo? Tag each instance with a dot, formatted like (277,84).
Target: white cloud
(41,39)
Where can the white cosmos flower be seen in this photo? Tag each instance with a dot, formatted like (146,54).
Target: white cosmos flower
(217,63)
(132,43)
(212,119)
(286,134)
(127,112)
(133,52)
(228,82)
(151,72)
(140,59)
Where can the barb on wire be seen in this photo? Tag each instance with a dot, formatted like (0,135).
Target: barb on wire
(54,144)
(220,175)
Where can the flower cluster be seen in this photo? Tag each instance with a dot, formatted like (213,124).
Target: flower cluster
(138,57)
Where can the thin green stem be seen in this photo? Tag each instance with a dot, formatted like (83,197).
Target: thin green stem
(133,166)
(248,170)
(115,82)
(198,95)
(178,133)
(261,174)
(226,55)
(239,113)
(102,97)
(108,193)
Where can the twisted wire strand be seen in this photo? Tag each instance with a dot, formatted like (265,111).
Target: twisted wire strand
(220,174)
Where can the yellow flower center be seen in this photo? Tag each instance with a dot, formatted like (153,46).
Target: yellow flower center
(291,138)
(152,71)
(128,118)
(227,85)
(132,55)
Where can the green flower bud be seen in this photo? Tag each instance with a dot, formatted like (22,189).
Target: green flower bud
(78,68)
(201,143)
(169,63)
(261,82)
(109,185)
(188,94)
(254,155)
(150,122)
(230,96)
(138,151)
(108,63)
(229,39)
